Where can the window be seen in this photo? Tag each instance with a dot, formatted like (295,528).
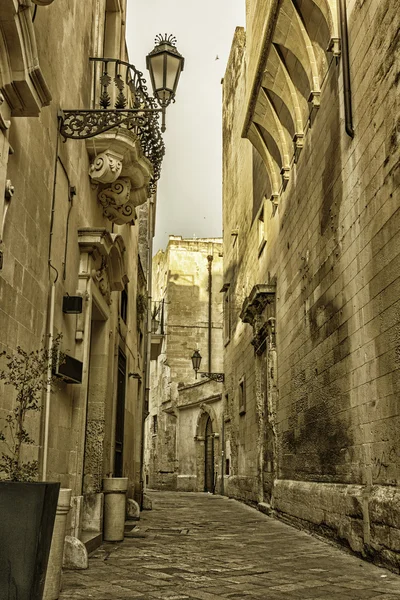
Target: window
(124,304)
(242,396)
(227,466)
(261,232)
(227,314)
(155,425)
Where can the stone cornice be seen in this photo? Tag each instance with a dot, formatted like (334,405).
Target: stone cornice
(260,296)
(21,79)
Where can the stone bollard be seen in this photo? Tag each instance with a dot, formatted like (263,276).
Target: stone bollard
(53,576)
(114,489)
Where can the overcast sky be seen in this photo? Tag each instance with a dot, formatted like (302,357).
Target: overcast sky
(189,200)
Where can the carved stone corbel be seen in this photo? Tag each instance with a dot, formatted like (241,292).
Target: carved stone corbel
(116,201)
(106,168)
(122,173)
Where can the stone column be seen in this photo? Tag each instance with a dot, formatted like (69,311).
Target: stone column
(114,489)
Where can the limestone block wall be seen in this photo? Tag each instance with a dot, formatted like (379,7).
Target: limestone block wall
(53,205)
(331,250)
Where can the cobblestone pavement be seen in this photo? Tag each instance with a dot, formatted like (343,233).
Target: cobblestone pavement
(204,547)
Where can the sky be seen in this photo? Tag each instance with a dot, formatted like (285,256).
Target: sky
(189,197)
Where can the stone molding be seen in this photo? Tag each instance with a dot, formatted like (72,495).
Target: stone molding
(42,2)
(121,172)
(106,266)
(21,79)
(274,95)
(260,296)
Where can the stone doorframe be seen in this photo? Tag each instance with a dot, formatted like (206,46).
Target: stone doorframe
(206,412)
(102,270)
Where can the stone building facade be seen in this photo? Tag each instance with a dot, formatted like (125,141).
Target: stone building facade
(184,427)
(69,227)
(311,278)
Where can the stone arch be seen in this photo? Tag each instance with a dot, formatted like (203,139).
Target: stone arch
(290,33)
(117,267)
(104,260)
(277,79)
(266,116)
(206,412)
(271,165)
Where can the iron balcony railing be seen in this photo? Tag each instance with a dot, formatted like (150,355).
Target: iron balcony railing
(119,99)
(157,317)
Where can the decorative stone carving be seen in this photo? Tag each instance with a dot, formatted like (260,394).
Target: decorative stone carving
(116,202)
(117,159)
(102,260)
(100,276)
(106,168)
(259,310)
(9,191)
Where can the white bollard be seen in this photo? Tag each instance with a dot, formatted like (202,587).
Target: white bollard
(114,489)
(54,567)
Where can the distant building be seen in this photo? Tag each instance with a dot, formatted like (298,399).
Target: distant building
(311,268)
(184,426)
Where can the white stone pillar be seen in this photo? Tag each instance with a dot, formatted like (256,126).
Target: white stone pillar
(54,567)
(114,489)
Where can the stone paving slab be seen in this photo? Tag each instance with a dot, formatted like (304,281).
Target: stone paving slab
(203,547)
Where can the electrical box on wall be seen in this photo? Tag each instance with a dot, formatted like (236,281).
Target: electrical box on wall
(68,368)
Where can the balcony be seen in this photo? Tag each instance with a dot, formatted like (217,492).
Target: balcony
(128,149)
(157,328)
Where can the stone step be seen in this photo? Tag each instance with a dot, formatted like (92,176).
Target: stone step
(92,540)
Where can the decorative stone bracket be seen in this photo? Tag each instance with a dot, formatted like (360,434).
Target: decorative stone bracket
(259,311)
(102,259)
(121,172)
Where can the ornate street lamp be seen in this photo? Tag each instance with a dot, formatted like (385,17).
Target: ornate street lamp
(196,361)
(121,100)
(165,65)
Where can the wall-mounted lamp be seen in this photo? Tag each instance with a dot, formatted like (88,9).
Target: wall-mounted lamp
(72,305)
(165,65)
(196,361)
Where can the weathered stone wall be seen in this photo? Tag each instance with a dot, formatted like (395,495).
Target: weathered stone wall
(54,200)
(332,250)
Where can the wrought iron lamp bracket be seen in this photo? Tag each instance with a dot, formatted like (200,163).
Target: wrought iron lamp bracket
(218,377)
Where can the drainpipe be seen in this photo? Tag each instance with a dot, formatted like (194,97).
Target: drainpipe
(146,399)
(348,113)
(50,326)
(210,259)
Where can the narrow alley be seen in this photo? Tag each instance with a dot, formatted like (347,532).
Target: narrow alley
(200,546)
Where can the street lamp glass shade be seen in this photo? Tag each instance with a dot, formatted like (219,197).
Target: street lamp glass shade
(196,360)
(165,65)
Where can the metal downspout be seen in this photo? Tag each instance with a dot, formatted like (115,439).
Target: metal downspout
(50,340)
(210,259)
(348,113)
(146,399)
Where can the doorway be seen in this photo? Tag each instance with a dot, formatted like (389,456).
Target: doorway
(120,417)
(209,458)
